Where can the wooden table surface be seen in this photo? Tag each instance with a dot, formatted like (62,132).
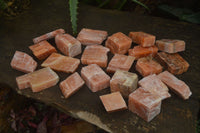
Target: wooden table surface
(43,16)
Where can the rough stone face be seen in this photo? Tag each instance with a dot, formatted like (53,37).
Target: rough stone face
(124,82)
(38,80)
(118,43)
(113,102)
(146,66)
(42,49)
(174,63)
(23,62)
(170,45)
(91,37)
(139,51)
(48,35)
(95,78)
(68,45)
(144,104)
(142,38)
(120,62)
(154,85)
(95,54)
(61,63)
(176,85)
(71,84)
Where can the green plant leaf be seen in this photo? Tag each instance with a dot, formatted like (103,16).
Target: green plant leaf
(182,13)
(73,5)
(3,5)
(104,3)
(140,3)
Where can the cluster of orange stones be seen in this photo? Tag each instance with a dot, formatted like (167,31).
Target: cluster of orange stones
(144,96)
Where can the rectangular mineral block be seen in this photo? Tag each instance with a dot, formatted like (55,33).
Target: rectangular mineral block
(147,66)
(154,85)
(176,85)
(95,54)
(118,43)
(170,45)
(120,62)
(139,51)
(142,38)
(113,102)
(145,104)
(124,82)
(23,81)
(61,63)
(48,35)
(174,63)
(95,78)
(23,62)
(68,45)
(42,49)
(71,84)
(91,37)
(43,79)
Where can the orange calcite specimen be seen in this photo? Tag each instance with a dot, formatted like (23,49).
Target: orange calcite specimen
(174,63)
(95,78)
(142,38)
(154,85)
(120,62)
(68,45)
(144,104)
(95,54)
(139,51)
(113,102)
(38,80)
(124,82)
(176,85)
(71,85)
(170,46)
(48,35)
(146,66)
(91,37)
(61,63)
(23,62)
(118,43)
(42,50)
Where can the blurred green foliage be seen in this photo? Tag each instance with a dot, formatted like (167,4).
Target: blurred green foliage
(182,13)
(73,5)
(3,5)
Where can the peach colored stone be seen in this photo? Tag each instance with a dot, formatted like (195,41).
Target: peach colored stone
(95,54)
(61,63)
(142,38)
(146,66)
(124,82)
(48,35)
(170,45)
(95,78)
(118,43)
(71,84)
(23,62)
(68,45)
(154,85)
(91,37)
(139,51)
(174,63)
(42,49)
(120,62)
(113,102)
(176,85)
(144,104)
